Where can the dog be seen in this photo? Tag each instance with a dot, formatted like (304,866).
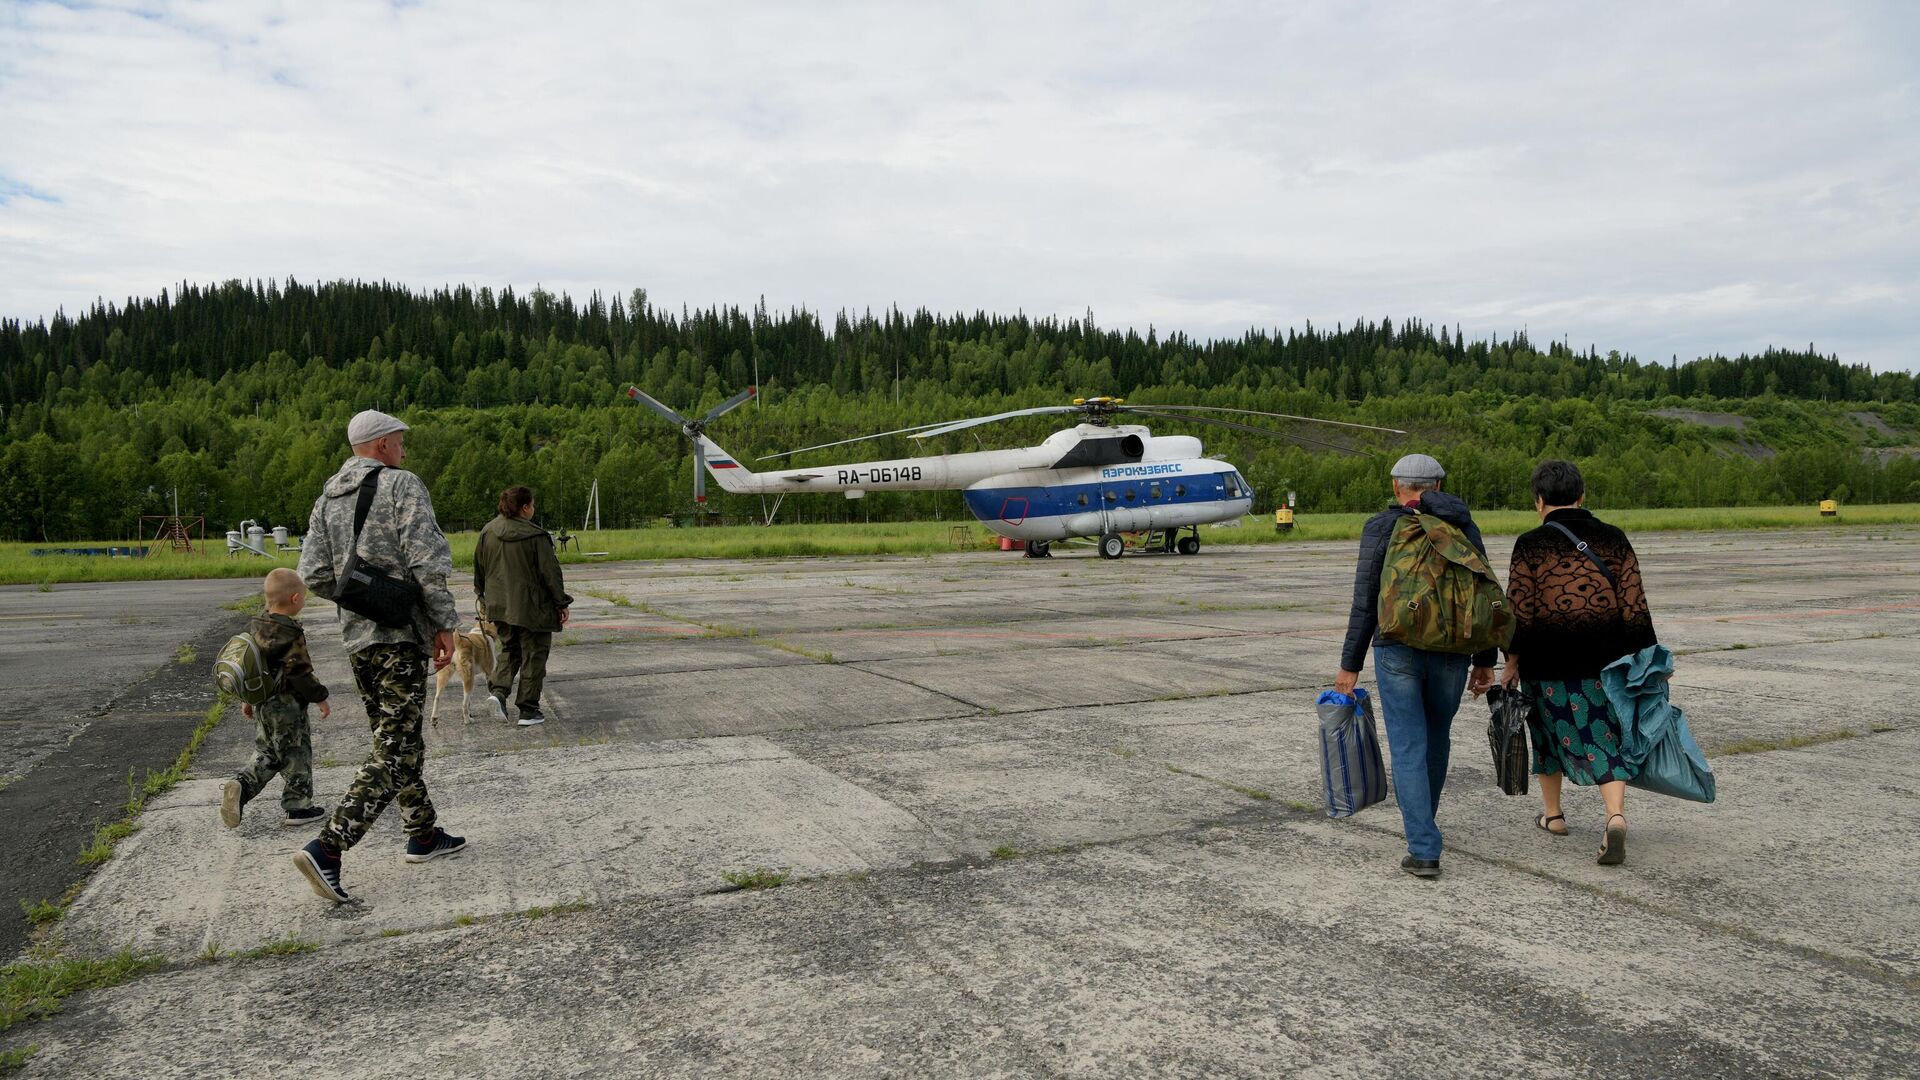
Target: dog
(473,654)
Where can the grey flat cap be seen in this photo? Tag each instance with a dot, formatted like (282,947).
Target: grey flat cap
(371,424)
(1418,467)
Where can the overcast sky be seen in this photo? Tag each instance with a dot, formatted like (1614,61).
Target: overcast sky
(1657,178)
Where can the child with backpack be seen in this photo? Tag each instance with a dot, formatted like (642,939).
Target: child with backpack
(269,670)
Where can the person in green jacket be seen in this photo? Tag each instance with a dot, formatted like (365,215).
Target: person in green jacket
(516,577)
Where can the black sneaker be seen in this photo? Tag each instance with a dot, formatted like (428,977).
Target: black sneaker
(306,815)
(530,717)
(231,800)
(321,866)
(442,842)
(1424,868)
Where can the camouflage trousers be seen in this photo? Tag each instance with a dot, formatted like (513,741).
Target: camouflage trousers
(283,746)
(523,652)
(393,682)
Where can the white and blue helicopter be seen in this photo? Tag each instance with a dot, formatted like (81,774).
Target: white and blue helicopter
(1097,479)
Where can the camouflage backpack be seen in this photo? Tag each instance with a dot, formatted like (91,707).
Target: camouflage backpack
(1437,591)
(240,671)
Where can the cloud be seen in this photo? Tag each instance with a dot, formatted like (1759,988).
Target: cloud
(1657,179)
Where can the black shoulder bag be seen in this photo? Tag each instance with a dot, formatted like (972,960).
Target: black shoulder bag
(1582,547)
(367,590)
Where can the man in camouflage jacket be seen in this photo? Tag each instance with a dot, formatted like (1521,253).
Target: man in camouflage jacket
(402,539)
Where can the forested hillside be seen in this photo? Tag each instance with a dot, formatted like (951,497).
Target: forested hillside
(237,396)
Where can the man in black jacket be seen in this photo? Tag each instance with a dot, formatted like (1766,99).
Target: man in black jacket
(1419,689)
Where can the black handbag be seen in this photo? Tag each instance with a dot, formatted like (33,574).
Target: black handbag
(369,591)
(1507,735)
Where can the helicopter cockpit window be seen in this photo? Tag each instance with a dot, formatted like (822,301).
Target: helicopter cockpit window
(1233,485)
(1083,498)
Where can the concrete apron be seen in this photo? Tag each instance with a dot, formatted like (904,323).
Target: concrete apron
(663,819)
(1166,897)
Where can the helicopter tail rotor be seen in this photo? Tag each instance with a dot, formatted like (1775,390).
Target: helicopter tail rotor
(695,430)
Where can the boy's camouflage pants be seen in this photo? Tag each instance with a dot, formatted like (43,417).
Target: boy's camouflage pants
(282,744)
(393,683)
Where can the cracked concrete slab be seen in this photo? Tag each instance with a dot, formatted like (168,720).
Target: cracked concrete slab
(548,827)
(1048,858)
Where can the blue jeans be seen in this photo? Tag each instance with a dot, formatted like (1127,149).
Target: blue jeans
(1419,693)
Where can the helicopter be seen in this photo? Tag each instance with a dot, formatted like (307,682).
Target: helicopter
(1096,480)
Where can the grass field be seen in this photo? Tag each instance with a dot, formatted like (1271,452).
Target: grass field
(19,567)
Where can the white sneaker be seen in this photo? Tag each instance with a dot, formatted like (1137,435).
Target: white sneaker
(499,710)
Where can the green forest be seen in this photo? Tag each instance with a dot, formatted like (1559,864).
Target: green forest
(236,397)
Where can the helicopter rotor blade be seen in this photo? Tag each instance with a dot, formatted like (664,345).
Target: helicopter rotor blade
(699,472)
(962,425)
(1255,412)
(730,404)
(1260,431)
(860,438)
(643,398)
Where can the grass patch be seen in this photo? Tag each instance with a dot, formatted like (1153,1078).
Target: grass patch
(251,604)
(12,1061)
(1004,852)
(820,655)
(1761,746)
(392,932)
(286,946)
(44,913)
(613,598)
(19,567)
(185,654)
(463,920)
(212,954)
(32,990)
(756,879)
(100,848)
(1881,729)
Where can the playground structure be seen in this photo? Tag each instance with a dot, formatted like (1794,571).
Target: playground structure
(172,532)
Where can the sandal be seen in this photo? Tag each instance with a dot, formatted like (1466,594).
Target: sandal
(1545,824)
(1614,852)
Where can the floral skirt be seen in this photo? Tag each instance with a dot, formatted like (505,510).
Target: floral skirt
(1573,732)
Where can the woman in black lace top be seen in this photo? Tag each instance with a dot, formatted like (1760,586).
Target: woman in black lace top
(1573,619)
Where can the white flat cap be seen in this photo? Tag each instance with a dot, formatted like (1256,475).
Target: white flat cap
(371,424)
(1418,467)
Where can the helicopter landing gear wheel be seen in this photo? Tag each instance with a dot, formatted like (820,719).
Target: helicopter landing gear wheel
(1038,549)
(1112,546)
(1189,545)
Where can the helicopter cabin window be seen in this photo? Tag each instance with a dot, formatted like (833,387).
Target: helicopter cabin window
(1179,491)
(1083,498)
(1233,485)
(1113,496)
(1131,495)
(1153,491)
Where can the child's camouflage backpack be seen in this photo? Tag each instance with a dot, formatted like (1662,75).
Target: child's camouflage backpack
(241,671)
(1437,591)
